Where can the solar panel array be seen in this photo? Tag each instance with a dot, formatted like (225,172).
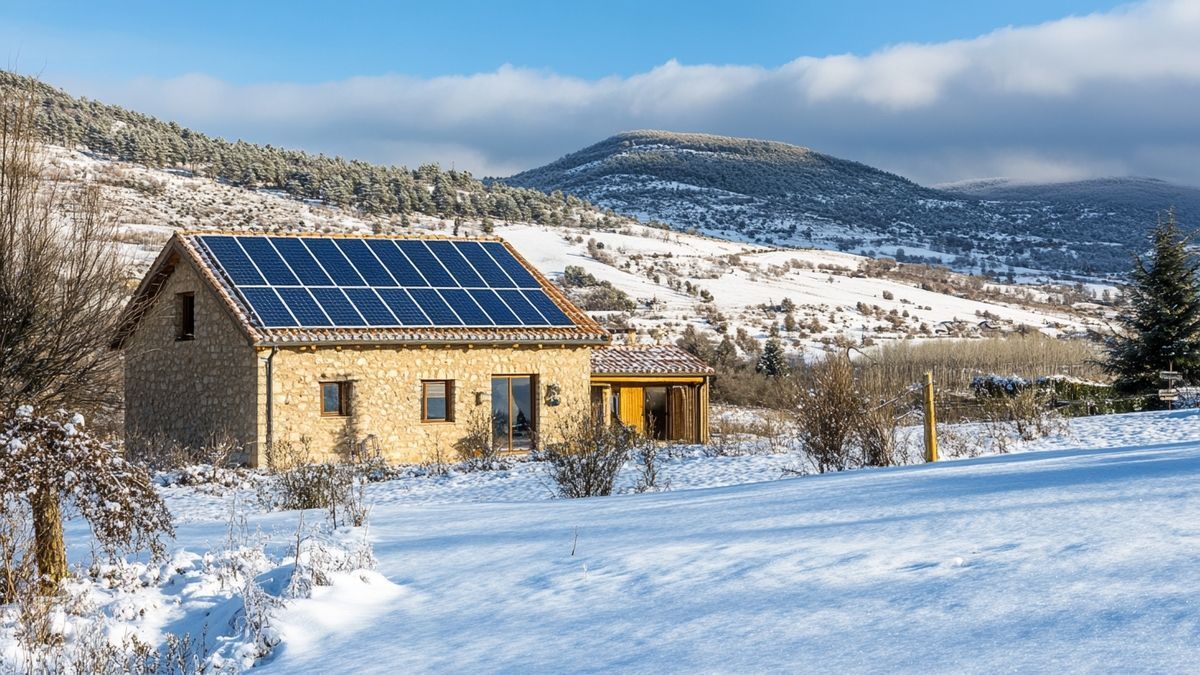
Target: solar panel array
(313,282)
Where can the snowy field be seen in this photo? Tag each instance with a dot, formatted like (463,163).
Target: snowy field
(1078,553)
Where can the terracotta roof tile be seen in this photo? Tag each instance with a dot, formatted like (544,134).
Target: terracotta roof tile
(653,359)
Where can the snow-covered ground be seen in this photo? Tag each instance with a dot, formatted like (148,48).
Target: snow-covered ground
(1077,553)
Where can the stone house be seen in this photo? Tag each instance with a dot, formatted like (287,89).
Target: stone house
(402,346)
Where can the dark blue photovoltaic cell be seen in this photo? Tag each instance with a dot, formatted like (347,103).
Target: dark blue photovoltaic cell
(233,260)
(525,311)
(448,253)
(269,263)
(466,308)
(303,264)
(268,307)
(426,264)
(403,307)
(331,258)
(362,259)
(337,307)
(371,307)
(515,269)
(483,263)
(396,263)
(304,308)
(546,306)
(491,304)
(435,307)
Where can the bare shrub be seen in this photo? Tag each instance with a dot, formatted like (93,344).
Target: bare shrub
(298,481)
(648,464)
(478,450)
(1024,415)
(585,463)
(827,412)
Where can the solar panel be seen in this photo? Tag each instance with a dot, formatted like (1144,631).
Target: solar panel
(302,262)
(509,264)
(396,262)
(435,307)
(233,260)
(520,306)
(496,309)
(483,263)
(365,262)
(304,308)
(353,283)
(458,266)
(268,261)
(467,310)
(403,307)
(370,307)
(554,315)
(268,307)
(335,264)
(339,309)
(424,261)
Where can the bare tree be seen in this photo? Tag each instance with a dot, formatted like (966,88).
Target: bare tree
(61,282)
(51,461)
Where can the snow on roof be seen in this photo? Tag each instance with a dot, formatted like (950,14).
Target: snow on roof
(642,359)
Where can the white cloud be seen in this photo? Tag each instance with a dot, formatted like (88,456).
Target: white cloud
(1081,96)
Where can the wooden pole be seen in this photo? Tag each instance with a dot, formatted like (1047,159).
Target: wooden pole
(931,449)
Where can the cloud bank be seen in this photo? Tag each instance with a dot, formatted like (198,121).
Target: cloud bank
(1105,94)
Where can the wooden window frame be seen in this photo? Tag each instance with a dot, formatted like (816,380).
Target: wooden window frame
(535,411)
(185,313)
(343,398)
(449,418)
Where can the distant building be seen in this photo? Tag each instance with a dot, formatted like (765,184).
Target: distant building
(402,345)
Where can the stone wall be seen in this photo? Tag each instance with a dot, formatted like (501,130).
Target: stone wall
(187,391)
(386,394)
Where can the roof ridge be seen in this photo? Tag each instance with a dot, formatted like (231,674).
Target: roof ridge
(335,235)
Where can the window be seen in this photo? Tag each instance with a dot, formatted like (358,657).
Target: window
(335,399)
(513,422)
(185,311)
(437,401)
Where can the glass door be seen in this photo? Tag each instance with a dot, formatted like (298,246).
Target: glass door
(513,422)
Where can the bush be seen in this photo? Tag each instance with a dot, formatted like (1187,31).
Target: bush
(299,482)
(827,411)
(477,449)
(585,463)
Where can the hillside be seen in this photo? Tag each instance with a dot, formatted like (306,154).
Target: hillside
(116,133)
(658,281)
(779,194)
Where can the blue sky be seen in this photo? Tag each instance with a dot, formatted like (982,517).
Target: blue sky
(933,90)
(244,42)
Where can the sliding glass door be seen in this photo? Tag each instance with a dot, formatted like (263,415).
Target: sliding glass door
(513,422)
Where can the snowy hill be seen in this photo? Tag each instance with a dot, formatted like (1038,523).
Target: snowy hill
(664,273)
(1076,555)
(774,193)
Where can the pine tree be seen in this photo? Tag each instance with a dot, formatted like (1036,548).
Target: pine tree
(772,363)
(1162,328)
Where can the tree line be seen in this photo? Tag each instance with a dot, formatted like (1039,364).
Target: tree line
(374,189)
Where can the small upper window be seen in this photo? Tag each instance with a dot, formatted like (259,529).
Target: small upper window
(185,305)
(437,401)
(335,398)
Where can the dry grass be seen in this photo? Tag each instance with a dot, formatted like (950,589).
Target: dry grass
(955,362)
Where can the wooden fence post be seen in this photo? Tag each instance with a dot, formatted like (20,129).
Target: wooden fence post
(931,448)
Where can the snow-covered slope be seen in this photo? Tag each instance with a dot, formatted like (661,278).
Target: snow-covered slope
(1078,557)
(653,266)
(776,193)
